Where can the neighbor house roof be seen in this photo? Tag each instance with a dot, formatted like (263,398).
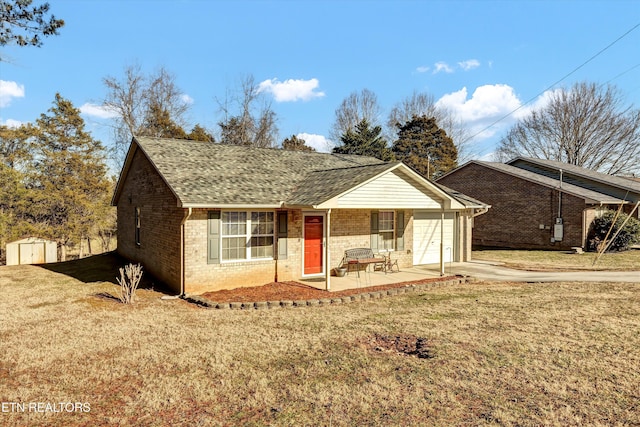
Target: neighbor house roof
(588,195)
(467,201)
(588,174)
(208,174)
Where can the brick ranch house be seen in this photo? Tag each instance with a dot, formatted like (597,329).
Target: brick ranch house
(539,204)
(205,216)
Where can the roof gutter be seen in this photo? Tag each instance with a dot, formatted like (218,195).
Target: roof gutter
(230,205)
(182,249)
(482,210)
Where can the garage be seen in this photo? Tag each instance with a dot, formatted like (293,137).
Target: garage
(427,236)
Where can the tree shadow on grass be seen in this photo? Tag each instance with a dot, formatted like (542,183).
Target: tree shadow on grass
(100,268)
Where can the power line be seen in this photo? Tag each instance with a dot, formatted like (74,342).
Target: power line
(554,84)
(621,74)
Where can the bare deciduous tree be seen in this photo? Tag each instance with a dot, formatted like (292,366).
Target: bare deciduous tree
(138,97)
(586,125)
(247,116)
(355,108)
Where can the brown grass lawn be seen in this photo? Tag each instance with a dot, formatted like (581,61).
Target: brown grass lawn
(562,260)
(498,354)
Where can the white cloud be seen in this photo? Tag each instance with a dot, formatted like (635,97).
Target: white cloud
(442,67)
(8,91)
(12,124)
(99,111)
(469,64)
(319,142)
(422,69)
(541,102)
(291,90)
(187,99)
(486,105)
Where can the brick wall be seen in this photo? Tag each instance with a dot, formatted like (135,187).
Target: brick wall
(518,209)
(203,277)
(159,249)
(349,229)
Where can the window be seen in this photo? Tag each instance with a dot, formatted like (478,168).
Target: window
(137,226)
(234,232)
(247,235)
(386,227)
(262,234)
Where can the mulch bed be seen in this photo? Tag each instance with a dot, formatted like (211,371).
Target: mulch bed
(280,291)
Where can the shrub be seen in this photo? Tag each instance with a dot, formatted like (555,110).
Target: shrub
(129,280)
(627,236)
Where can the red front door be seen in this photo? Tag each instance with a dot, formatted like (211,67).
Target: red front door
(313,234)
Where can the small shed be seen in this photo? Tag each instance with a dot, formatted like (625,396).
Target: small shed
(32,250)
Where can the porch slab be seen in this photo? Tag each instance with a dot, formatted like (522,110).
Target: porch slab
(372,278)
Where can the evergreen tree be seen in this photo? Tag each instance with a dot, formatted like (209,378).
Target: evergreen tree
(13,205)
(364,141)
(14,145)
(296,144)
(158,124)
(68,181)
(198,133)
(26,25)
(426,148)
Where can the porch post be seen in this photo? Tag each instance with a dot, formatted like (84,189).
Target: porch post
(442,242)
(327,252)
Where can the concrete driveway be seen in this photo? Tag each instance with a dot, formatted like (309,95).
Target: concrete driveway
(484,270)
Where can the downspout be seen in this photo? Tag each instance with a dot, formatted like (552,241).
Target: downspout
(327,269)
(182,246)
(442,241)
(560,197)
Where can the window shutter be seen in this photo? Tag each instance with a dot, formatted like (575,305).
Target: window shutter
(282,235)
(400,231)
(374,231)
(213,238)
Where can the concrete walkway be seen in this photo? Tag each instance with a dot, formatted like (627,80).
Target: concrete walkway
(484,270)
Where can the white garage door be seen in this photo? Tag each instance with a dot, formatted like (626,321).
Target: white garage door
(426,237)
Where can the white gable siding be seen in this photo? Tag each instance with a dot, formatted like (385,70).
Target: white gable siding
(391,190)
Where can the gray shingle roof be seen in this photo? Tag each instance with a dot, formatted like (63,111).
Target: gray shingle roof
(214,174)
(590,174)
(467,201)
(575,190)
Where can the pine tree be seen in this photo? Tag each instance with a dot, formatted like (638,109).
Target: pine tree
(70,189)
(294,143)
(426,148)
(364,141)
(198,133)
(26,25)
(158,124)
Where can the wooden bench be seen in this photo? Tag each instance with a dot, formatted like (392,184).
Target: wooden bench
(361,257)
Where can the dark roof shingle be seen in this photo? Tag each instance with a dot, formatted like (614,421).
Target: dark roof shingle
(215,174)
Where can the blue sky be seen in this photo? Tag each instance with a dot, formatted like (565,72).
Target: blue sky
(483,59)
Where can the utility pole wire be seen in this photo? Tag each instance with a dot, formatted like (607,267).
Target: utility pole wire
(554,84)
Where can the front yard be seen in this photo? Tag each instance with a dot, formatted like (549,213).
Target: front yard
(478,354)
(561,260)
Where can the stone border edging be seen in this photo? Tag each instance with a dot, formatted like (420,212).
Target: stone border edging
(264,305)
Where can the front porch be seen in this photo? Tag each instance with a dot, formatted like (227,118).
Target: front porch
(375,278)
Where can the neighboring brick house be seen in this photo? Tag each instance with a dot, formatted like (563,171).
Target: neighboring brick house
(539,204)
(204,216)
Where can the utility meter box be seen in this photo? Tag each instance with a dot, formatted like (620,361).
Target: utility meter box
(558,230)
